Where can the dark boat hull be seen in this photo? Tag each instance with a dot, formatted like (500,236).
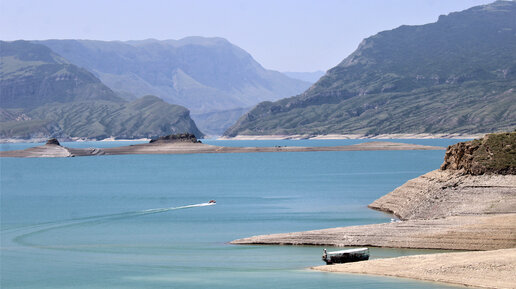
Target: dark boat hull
(345,258)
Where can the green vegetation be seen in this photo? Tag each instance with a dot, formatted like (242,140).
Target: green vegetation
(457,75)
(494,153)
(497,152)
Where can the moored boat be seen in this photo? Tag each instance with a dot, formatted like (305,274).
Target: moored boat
(345,256)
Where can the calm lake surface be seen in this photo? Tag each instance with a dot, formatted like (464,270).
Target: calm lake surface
(117,221)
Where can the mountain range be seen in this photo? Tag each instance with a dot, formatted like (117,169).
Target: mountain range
(210,76)
(44,95)
(457,75)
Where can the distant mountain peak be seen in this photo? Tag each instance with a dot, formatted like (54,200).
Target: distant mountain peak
(190,40)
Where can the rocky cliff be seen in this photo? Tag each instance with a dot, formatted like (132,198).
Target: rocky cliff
(182,137)
(493,154)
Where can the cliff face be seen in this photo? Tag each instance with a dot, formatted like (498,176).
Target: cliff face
(493,154)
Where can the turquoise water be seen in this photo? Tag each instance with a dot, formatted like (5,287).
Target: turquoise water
(114,221)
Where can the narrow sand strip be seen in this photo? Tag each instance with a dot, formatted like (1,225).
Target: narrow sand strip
(487,269)
(198,148)
(355,136)
(481,232)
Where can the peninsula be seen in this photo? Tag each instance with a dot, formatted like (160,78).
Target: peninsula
(188,144)
(467,204)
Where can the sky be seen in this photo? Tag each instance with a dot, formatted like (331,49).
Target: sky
(284,35)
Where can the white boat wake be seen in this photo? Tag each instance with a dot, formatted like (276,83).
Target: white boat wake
(153,211)
(23,234)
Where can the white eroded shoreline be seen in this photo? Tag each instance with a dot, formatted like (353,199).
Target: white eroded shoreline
(355,136)
(275,137)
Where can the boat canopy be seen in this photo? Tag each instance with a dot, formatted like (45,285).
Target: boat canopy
(357,250)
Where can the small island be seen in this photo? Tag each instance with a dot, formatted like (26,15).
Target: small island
(467,204)
(187,143)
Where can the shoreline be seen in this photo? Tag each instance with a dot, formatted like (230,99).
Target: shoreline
(468,204)
(451,233)
(355,136)
(441,209)
(494,269)
(272,137)
(53,150)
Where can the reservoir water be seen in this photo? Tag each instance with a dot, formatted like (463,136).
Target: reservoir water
(121,221)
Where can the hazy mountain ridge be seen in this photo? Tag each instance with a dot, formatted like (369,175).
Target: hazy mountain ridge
(206,75)
(43,95)
(203,74)
(311,77)
(455,75)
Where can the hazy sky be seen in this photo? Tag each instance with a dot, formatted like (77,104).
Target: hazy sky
(285,35)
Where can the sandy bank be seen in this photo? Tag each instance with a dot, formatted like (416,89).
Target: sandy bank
(483,232)
(353,136)
(193,148)
(443,193)
(490,269)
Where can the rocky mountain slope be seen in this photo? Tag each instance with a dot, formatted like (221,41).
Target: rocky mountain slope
(43,95)
(457,75)
(206,75)
(33,75)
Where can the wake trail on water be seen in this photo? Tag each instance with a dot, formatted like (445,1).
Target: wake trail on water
(21,239)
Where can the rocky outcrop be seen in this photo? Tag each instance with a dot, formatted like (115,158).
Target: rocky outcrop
(182,137)
(493,154)
(53,141)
